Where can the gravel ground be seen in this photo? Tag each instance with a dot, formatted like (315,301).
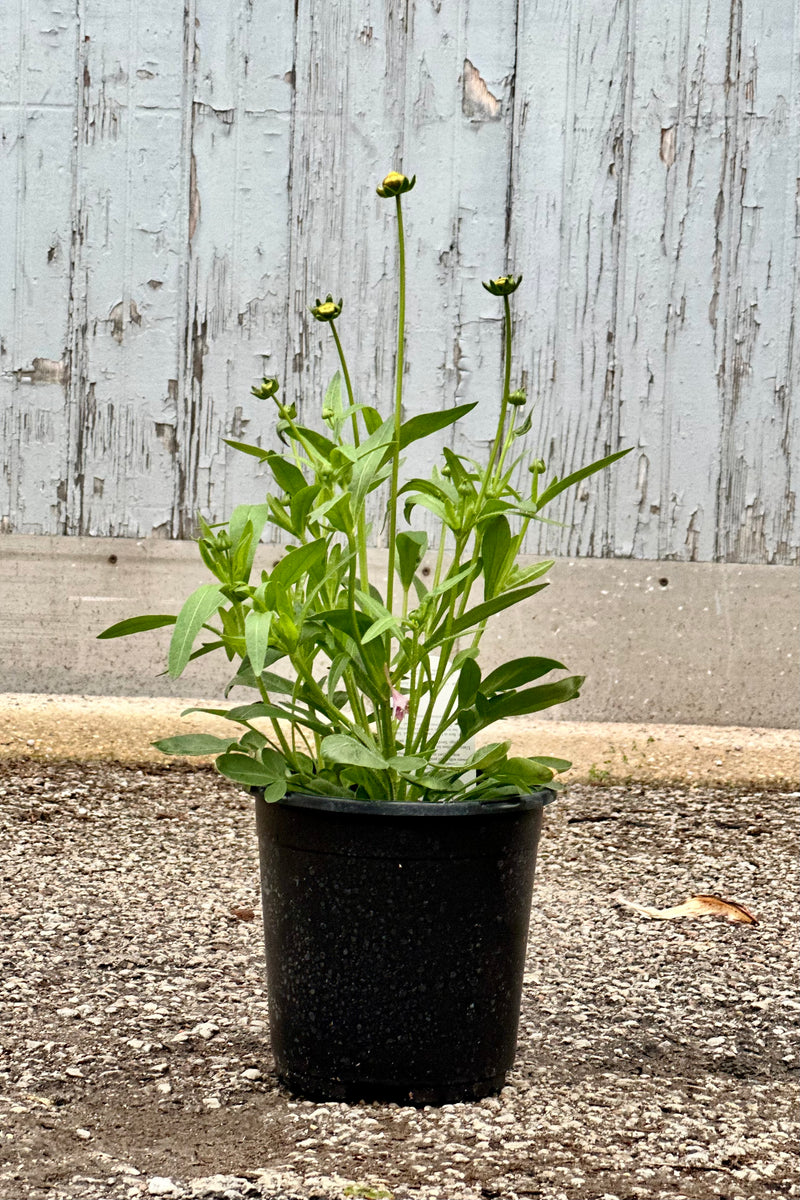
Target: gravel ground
(655,1057)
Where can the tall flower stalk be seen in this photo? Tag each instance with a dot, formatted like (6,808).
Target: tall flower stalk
(395,185)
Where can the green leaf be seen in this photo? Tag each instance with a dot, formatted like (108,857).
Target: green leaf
(193,743)
(372,418)
(518,672)
(495,546)
(411,547)
(560,485)
(524,428)
(323,446)
(468,683)
(340,748)
(368,470)
(427,423)
(241,768)
(136,625)
(247,448)
(246,526)
(202,603)
(432,504)
(333,402)
(379,627)
(297,563)
(272,792)
(301,504)
(525,771)
(206,648)
(555,764)
(515,704)
(458,472)
(486,756)
(481,612)
(288,477)
(256,636)
(407,762)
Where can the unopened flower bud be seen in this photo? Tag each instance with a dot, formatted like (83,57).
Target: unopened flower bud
(266,389)
(395,184)
(223,541)
(504,285)
(518,397)
(537,466)
(327,309)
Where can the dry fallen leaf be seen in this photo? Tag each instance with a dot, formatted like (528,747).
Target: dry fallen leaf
(243,914)
(695,906)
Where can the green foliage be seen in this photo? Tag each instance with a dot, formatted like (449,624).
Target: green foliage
(373,699)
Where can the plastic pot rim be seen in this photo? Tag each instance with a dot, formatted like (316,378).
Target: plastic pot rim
(422,808)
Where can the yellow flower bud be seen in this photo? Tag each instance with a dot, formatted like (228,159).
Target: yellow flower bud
(504,285)
(395,184)
(327,309)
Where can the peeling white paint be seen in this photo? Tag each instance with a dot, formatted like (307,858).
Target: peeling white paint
(171,208)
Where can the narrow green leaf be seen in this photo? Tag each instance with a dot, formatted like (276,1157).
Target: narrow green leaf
(555,764)
(297,563)
(136,625)
(560,485)
(287,475)
(495,546)
(524,771)
(468,683)
(481,612)
(333,403)
(202,603)
(486,756)
(426,423)
(411,547)
(256,636)
(247,448)
(193,743)
(206,648)
(379,627)
(515,704)
(517,673)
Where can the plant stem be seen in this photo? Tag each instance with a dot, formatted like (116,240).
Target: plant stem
(440,557)
(398,402)
(362,539)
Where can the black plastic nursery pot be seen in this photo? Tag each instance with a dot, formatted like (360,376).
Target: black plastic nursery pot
(395,943)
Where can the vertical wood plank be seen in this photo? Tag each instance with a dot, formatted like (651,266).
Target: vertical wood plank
(36,187)
(757,372)
(567,221)
(237,268)
(131,217)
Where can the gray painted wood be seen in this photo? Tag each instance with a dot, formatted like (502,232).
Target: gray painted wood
(180,180)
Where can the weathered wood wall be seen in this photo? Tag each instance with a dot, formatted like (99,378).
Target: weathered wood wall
(179,179)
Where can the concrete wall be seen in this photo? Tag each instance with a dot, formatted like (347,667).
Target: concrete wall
(179,179)
(670,642)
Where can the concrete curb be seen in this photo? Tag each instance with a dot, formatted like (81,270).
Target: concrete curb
(91,728)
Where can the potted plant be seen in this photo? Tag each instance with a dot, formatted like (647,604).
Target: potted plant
(396,858)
